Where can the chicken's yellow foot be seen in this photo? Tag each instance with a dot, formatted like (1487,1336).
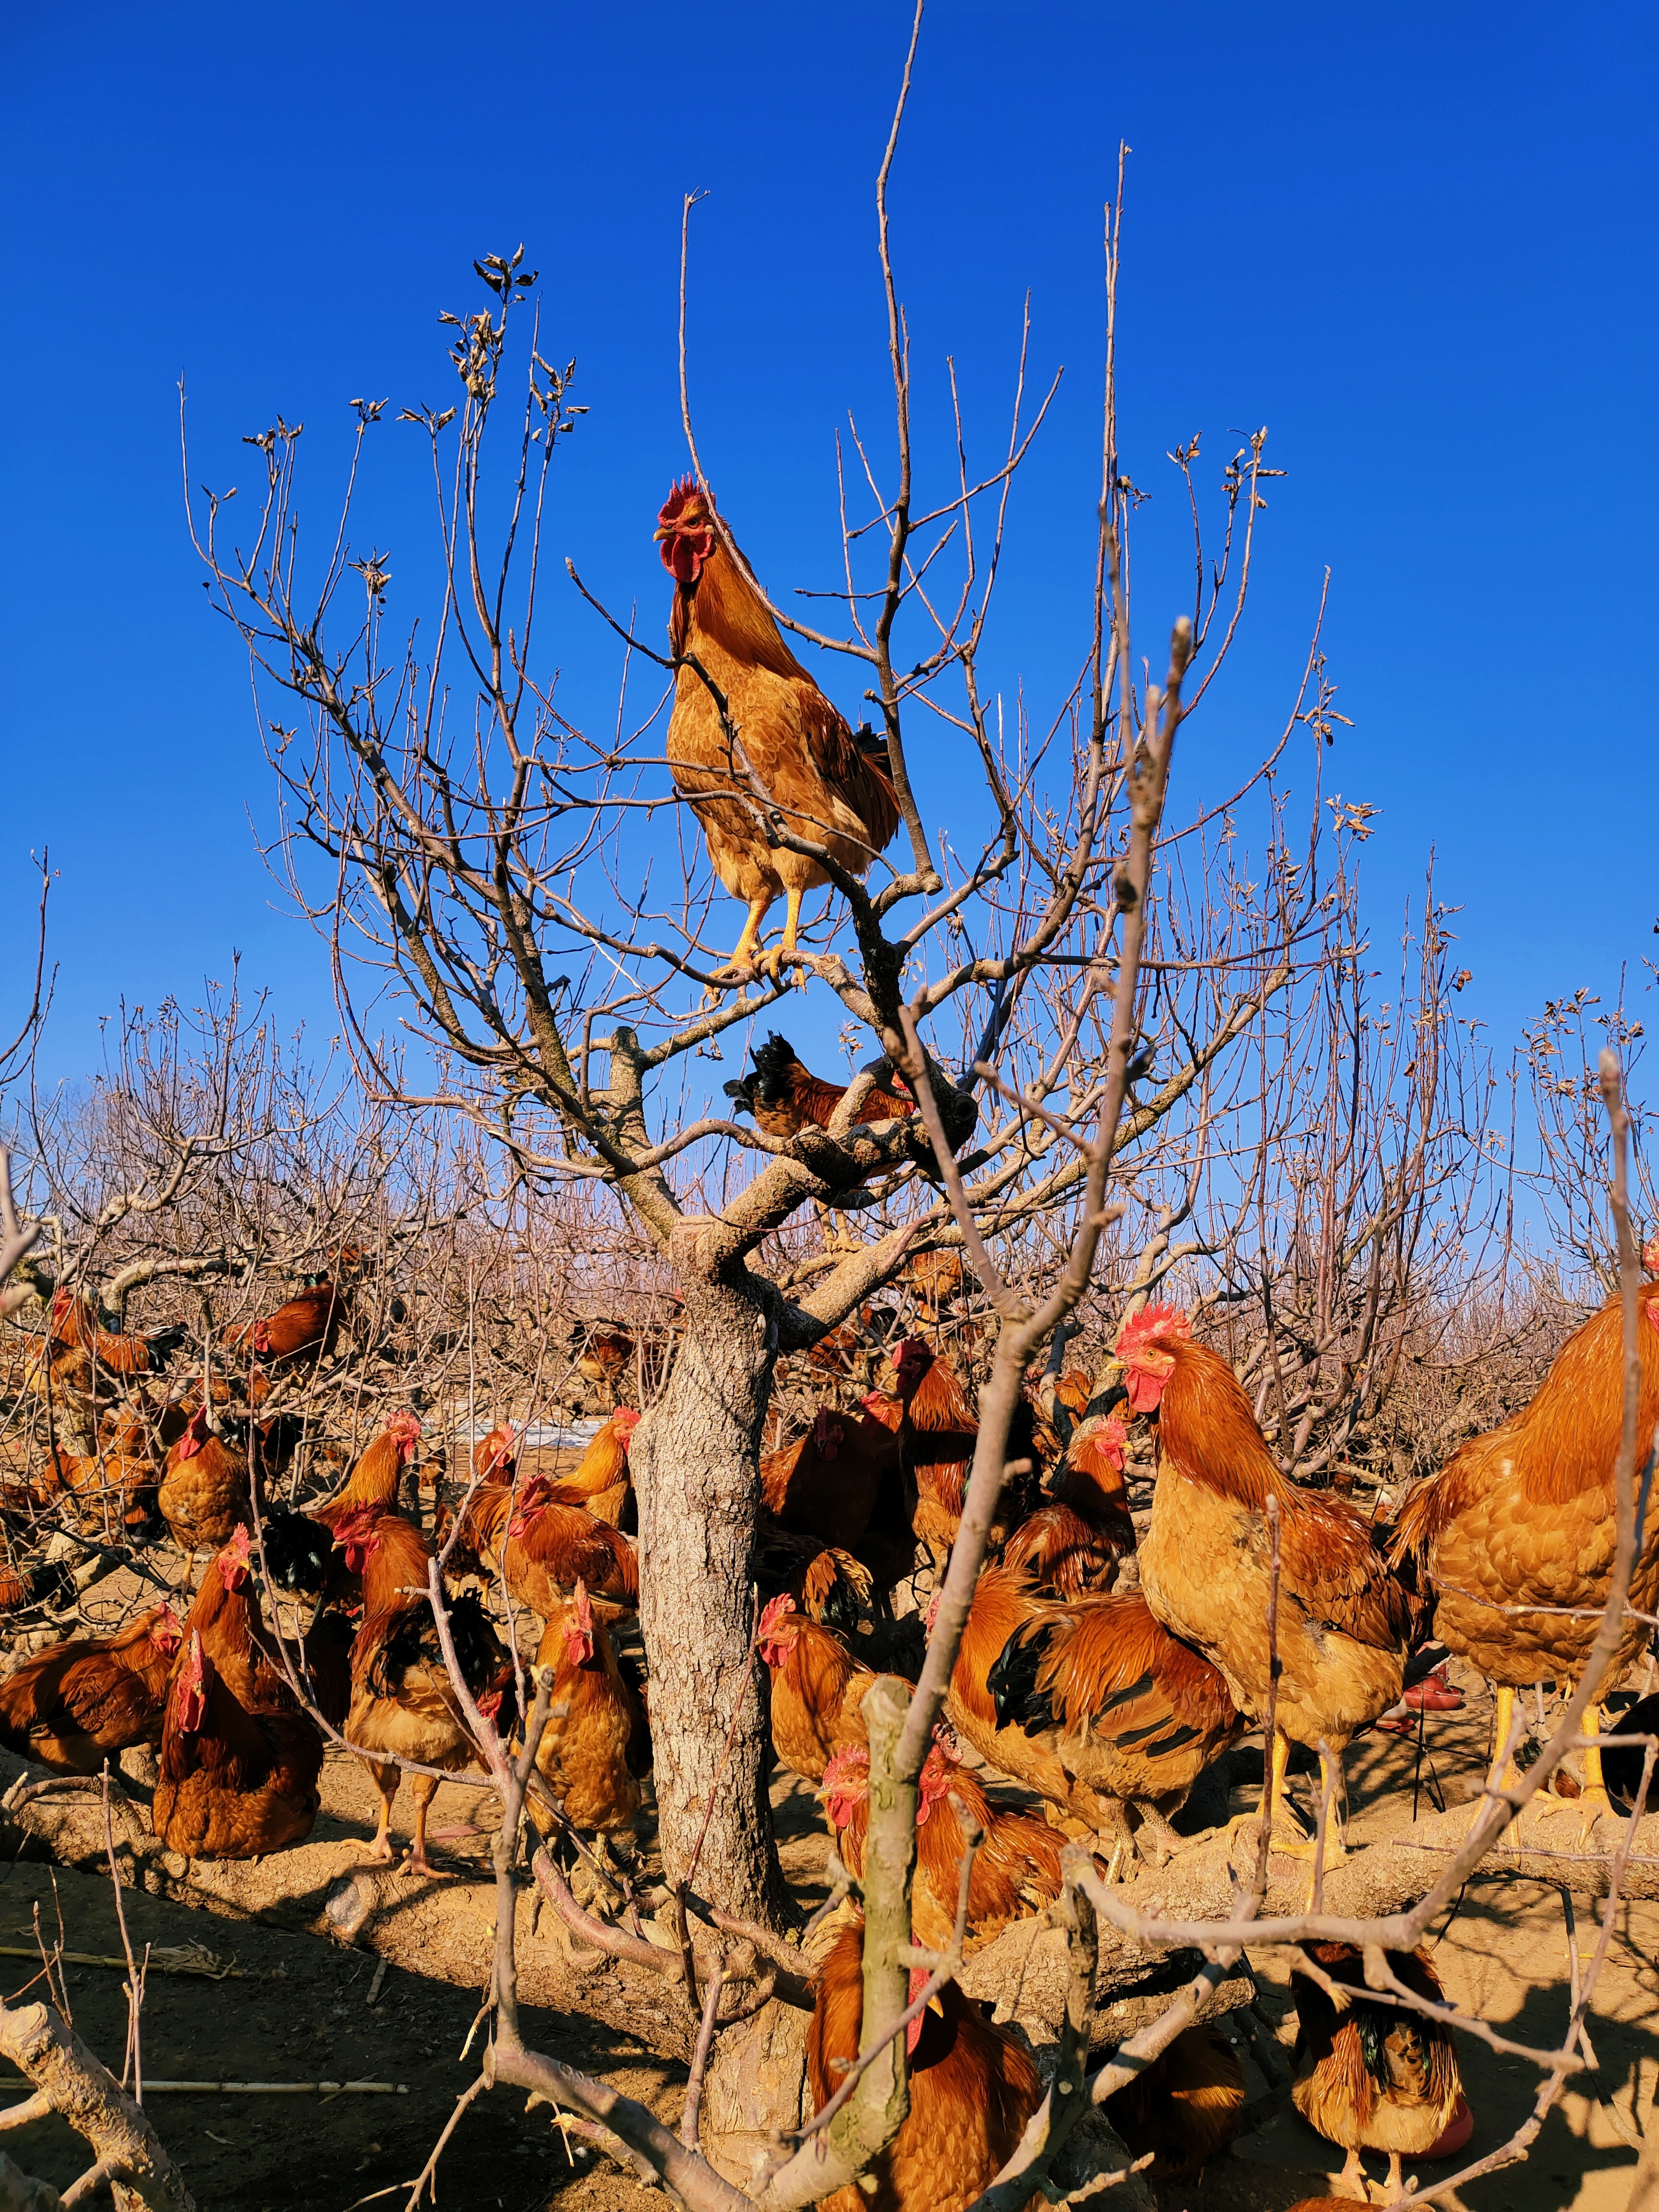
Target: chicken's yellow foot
(770,962)
(741,961)
(1286,1837)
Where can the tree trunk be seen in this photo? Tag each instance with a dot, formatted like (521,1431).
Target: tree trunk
(694,1459)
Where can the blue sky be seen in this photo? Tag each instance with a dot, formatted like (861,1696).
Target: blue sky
(1417,243)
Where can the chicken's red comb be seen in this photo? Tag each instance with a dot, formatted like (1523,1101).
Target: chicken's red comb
(685,489)
(1151,1320)
(405,1424)
(624,1421)
(845,1768)
(776,1610)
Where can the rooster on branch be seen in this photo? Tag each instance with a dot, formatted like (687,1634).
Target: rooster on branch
(752,739)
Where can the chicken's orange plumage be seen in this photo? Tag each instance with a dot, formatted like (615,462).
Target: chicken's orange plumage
(403,1699)
(1526,1514)
(939,1435)
(542,1549)
(1016,1869)
(1186,2107)
(595,1746)
(1130,1711)
(375,1479)
(1073,1544)
(1003,1605)
(817,1687)
(70,1706)
(827,788)
(1375,2076)
(239,1758)
(972,2090)
(1343,1620)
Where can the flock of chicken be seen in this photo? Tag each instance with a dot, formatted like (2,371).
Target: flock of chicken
(1102,1691)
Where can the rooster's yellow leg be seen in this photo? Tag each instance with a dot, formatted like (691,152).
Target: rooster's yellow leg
(742,955)
(380,1852)
(1351,2179)
(1331,1792)
(1503,1775)
(1595,1798)
(426,1788)
(770,962)
(1288,1839)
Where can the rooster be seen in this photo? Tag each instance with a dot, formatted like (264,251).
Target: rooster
(596,1748)
(74,1705)
(542,1549)
(785,1097)
(232,1784)
(305,1326)
(1376,2076)
(827,1482)
(240,1758)
(605,1356)
(378,1475)
(74,1324)
(1003,1605)
(1129,1711)
(1072,1545)
(940,1432)
(826,787)
(817,1687)
(1344,1623)
(1016,1869)
(1526,1514)
(403,1701)
(841,1482)
(1185,2107)
(109,1493)
(972,2089)
(601,1481)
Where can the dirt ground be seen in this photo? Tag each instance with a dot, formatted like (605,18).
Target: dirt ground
(299,2008)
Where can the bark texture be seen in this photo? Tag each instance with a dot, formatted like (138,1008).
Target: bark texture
(142,2177)
(696,1462)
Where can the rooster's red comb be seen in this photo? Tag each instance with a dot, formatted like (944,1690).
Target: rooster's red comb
(777,1610)
(684,491)
(1151,1321)
(846,1770)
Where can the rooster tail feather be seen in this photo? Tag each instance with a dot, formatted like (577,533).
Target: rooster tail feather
(1012,1681)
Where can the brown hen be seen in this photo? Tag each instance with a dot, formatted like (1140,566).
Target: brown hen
(1525,1515)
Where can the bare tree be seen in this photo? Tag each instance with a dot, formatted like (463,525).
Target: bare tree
(461,843)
